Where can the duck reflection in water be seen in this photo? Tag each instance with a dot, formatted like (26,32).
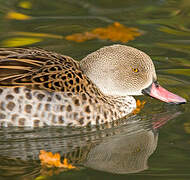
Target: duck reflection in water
(124,148)
(128,151)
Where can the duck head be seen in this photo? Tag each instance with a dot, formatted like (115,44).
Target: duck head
(120,70)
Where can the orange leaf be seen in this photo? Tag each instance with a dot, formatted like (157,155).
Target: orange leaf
(81,37)
(50,160)
(139,105)
(17,16)
(114,32)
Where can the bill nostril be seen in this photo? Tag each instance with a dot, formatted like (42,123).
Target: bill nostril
(156,84)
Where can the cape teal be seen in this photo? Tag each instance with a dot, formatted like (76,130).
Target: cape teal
(40,88)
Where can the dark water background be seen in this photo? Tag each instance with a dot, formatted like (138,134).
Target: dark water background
(155,144)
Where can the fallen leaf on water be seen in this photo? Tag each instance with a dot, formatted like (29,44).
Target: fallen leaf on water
(53,160)
(114,32)
(46,35)
(17,16)
(81,37)
(41,177)
(139,105)
(19,41)
(25,4)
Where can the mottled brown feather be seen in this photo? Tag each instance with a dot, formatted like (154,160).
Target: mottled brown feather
(40,69)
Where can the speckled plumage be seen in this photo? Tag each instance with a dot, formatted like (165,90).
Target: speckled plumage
(43,88)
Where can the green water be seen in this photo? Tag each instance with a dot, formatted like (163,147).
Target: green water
(153,145)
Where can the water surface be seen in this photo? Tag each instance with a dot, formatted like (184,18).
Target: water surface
(155,144)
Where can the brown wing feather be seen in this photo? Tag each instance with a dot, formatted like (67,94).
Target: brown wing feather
(35,68)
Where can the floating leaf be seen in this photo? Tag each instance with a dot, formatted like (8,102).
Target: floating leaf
(19,41)
(41,178)
(25,4)
(81,37)
(38,35)
(17,16)
(117,32)
(114,32)
(53,160)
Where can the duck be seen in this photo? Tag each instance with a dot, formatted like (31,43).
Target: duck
(41,88)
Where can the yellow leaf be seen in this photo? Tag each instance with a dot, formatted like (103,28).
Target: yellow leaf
(17,16)
(38,35)
(114,32)
(19,41)
(41,178)
(25,4)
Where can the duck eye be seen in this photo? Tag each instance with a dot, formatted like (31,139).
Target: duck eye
(135,70)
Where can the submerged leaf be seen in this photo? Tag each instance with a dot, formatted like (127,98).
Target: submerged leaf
(19,41)
(17,16)
(114,32)
(25,4)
